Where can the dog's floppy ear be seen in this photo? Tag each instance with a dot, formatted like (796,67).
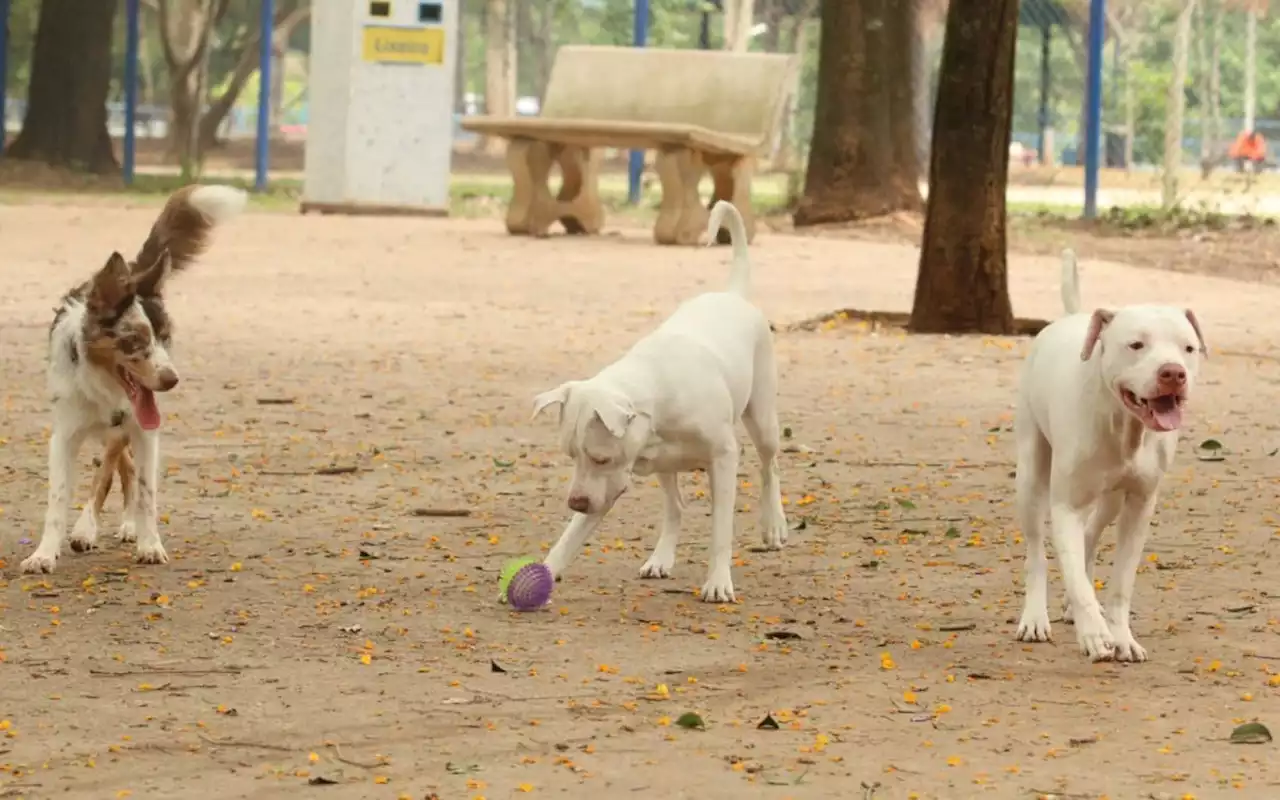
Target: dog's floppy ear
(151,283)
(1195,324)
(616,417)
(110,287)
(1101,318)
(553,397)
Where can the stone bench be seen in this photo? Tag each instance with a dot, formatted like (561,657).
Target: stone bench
(701,110)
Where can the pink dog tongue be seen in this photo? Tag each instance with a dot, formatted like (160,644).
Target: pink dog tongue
(1169,419)
(145,409)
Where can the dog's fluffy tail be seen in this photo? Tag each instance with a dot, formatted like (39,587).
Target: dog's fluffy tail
(185,223)
(1070,282)
(740,276)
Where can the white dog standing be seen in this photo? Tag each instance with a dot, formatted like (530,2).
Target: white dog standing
(1098,415)
(669,405)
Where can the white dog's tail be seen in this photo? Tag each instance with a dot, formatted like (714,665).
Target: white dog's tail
(740,277)
(1070,282)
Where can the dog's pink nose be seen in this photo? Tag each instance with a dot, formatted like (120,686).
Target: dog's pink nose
(1173,373)
(579,503)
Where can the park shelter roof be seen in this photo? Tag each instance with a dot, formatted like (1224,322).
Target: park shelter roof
(1047,13)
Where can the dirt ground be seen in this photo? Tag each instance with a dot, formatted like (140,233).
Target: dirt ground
(317,629)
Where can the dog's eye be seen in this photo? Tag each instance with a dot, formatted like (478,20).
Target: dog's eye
(1136,345)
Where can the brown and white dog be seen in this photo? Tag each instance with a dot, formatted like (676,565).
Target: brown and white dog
(108,357)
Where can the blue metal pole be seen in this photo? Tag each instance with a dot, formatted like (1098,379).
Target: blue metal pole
(641,31)
(261,157)
(132,12)
(4,70)
(1093,107)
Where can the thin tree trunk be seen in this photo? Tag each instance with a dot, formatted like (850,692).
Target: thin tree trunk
(460,60)
(66,120)
(1250,68)
(785,153)
(1176,104)
(499,67)
(246,67)
(1201,33)
(963,285)
(856,168)
(1215,77)
(737,25)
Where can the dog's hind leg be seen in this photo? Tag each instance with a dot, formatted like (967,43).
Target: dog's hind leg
(84,536)
(761,421)
(663,559)
(724,488)
(1034,462)
(1103,515)
(129,489)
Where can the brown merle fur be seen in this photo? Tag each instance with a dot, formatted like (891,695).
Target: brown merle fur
(125,310)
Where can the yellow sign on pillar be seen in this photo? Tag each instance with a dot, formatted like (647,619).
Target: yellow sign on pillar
(385,44)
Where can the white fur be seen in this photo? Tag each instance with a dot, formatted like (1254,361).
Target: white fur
(218,203)
(1085,458)
(669,405)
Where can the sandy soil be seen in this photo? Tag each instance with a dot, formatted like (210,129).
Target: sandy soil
(315,628)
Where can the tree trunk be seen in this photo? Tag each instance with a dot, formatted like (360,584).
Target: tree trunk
(287,19)
(499,67)
(963,282)
(1176,104)
(737,25)
(460,61)
(784,157)
(1201,33)
(862,160)
(541,26)
(66,120)
(1250,67)
(1215,76)
(184,36)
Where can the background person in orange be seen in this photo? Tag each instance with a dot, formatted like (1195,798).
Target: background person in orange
(1249,146)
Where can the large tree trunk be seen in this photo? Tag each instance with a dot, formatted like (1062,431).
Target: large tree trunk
(1176,104)
(66,120)
(963,282)
(499,67)
(862,160)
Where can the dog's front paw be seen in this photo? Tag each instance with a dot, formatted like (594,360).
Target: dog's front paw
(718,588)
(151,553)
(1094,637)
(1127,647)
(84,536)
(657,567)
(128,532)
(1034,626)
(39,562)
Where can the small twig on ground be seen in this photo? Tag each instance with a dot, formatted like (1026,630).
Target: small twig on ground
(276,401)
(440,512)
(241,743)
(342,470)
(1263,657)
(1244,354)
(106,673)
(337,753)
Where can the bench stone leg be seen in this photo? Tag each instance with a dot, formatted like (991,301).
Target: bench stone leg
(681,217)
(531,200)
(579,206)
(732,178)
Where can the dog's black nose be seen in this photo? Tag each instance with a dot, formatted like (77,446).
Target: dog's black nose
(167,379)
(580,504)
